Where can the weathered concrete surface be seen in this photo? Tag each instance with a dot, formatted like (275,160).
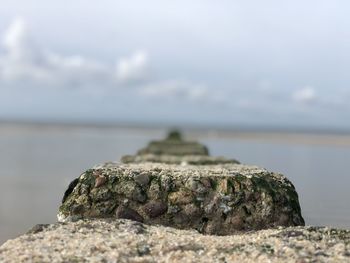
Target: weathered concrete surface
(129,241)
(177,159)
(213,199)
(175,150)
(174,145)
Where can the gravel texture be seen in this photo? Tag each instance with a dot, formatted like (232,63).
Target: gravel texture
(213,199)
(121,240)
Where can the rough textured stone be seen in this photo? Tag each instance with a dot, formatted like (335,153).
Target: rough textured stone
(129,241)
(37,228)
(125,212)
(214,199)
(155,208)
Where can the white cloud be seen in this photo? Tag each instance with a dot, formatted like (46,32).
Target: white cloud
(20,58)
(132,68)
(305,95)
(179,89)
(28,63)
(23,60)
(16,40)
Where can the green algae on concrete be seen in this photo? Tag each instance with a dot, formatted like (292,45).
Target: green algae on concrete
(175,150)
(213,199)
(174,145)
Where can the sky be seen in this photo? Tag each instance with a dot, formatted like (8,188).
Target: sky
(213,63)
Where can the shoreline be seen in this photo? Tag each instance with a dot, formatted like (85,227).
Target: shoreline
(289,137)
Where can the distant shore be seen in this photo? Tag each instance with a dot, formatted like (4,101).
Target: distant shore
(307,137)
(287,137)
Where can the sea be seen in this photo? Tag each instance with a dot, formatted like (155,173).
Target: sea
(37,162)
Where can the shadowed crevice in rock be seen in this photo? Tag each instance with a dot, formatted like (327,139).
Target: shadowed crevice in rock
(70,189)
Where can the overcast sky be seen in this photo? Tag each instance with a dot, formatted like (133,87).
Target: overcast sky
(260,63)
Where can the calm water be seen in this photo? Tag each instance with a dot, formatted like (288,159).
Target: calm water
(37,164)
